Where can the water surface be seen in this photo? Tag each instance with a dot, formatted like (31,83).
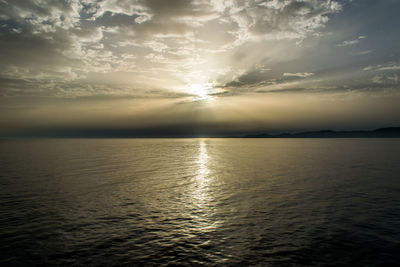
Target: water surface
(200,201)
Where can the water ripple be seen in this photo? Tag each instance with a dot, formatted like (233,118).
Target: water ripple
(200,202)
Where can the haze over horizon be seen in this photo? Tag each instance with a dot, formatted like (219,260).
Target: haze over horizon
(182,67)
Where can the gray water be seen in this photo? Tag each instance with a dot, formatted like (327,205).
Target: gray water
(142,202)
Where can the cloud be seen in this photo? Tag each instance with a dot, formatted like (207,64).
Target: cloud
(390,79)
(277,20)
(144,43)
(383,67)
(298,74)
(352,42)
(92,51)
(364,52)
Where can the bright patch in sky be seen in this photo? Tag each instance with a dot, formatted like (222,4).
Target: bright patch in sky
(200,91)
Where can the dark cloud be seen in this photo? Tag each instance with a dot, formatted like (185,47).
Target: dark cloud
(28,50)
(177,8)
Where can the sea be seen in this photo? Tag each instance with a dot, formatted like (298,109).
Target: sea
(200,202)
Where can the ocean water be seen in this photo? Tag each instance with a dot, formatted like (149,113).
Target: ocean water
(146,202)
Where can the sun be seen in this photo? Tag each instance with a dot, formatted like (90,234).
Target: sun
(200,91)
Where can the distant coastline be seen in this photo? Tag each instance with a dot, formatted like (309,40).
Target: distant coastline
(388,132)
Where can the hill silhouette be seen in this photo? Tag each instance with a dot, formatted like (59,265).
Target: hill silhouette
(388,132)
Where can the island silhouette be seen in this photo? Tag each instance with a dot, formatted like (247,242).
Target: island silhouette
(387,132)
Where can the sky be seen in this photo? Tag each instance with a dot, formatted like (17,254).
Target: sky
(197,68)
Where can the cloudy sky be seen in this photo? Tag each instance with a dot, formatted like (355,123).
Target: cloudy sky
(180,67)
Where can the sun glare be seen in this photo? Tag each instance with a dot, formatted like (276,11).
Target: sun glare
(200,91)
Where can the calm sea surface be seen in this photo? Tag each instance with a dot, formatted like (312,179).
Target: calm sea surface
(194,202)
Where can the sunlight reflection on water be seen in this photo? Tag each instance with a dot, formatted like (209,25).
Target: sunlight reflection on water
(203,171)
(236,202)
(202,201)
